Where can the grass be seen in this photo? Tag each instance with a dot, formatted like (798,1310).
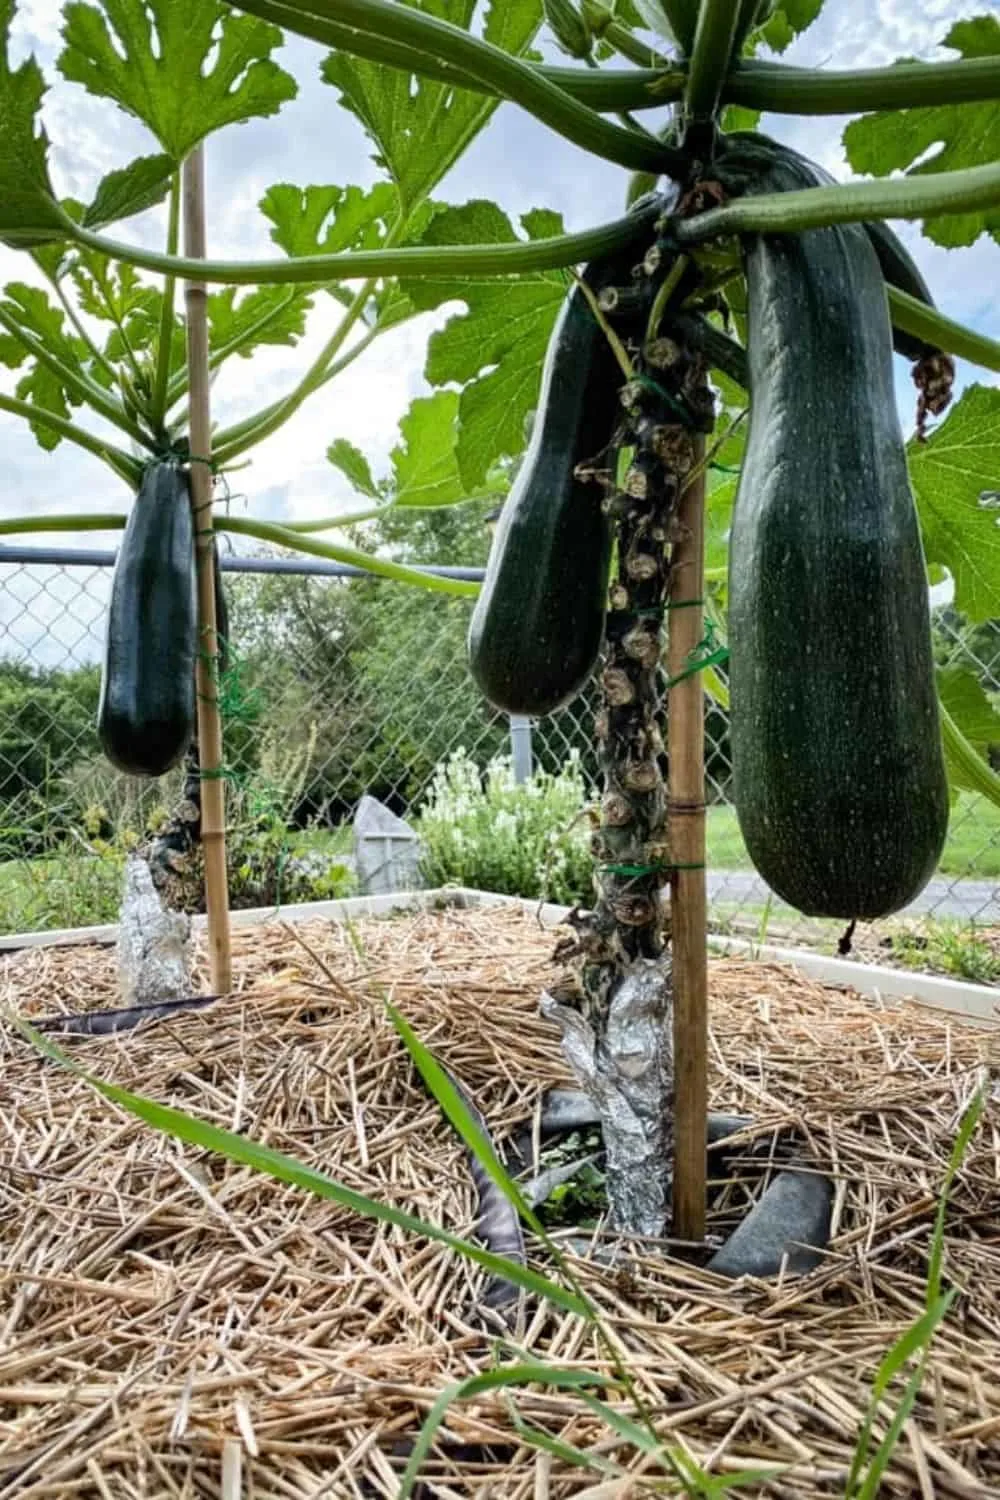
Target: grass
(972,850)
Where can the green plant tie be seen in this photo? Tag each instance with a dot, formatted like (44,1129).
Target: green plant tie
(725,468)
(707,653)
(636,871)
(684,603)
(671,402)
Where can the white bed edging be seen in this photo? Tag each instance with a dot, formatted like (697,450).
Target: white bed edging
(970,1002)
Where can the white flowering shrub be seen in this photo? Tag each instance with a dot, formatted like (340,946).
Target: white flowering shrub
(483,830)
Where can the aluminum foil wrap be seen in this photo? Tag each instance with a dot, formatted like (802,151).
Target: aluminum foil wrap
(627,1071)
(152,942)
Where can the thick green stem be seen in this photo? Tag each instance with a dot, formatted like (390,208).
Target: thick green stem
(82,388)
(481,62)
(283,536)
(804,91)
(74,317)
(619,37)
(929,324)
(252,430)
(485,261)
(682,18)
(18,525)
(965,191)
(124,466)
(713,45)
(161,383)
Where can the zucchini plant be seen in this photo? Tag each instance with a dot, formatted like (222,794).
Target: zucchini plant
(739,277)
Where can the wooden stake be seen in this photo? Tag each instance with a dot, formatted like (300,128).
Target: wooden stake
(213,800)
(686,749)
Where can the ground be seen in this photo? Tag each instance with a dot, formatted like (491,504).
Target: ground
(171,1319)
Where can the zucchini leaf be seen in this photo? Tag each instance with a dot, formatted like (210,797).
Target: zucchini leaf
(43,324)
(787,21)
(420,127)
(143,184)
(185,68)
(495,349)
(951,472)
(29,213)
(955,136)
(424,465)
(241,319)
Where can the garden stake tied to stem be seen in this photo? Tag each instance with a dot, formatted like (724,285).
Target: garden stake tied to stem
(212,770)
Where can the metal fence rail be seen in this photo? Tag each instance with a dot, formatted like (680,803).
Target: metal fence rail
(343,684)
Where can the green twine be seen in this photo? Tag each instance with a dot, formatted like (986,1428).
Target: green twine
(671,402)
(683,603)
(707,653)
(636,871)
(725,468)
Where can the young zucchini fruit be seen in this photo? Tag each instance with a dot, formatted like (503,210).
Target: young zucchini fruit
(537,627)
(146,713)
(838,769)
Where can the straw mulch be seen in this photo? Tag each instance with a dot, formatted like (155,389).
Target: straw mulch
(174,1325)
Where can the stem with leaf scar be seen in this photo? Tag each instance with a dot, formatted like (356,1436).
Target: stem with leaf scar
(618,1007)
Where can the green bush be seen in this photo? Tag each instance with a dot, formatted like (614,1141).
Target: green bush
(487,832)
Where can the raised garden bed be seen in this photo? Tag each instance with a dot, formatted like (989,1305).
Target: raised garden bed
(171,1320)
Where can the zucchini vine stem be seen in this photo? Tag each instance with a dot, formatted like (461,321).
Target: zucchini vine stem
(161,379)
(964,191)
(482,62)
(710,54)
(486,261)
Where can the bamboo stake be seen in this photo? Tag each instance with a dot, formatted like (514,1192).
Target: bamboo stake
(686,746)
(213,805)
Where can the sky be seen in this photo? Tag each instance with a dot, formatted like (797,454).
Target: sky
(516,160)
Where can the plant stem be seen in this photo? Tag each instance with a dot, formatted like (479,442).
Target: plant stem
(74,317)
(283,536)
(963,191)
(123,464)
(713,44)
(18,525)
(682,18)
(83,389)
(161,382)
(481,62)
(927,323)
(807,91)
(253,430)
(485,261)
(218,356)
(619,37)
(610,89)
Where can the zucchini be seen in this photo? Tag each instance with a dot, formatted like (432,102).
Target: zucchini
(746,153)
(146,712)
(537,626)
(838,770)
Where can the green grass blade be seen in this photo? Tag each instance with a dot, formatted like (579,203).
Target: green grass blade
(966,1130)
(525,1374)
(283,1168)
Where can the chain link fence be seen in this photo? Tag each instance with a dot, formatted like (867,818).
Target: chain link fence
(341,684)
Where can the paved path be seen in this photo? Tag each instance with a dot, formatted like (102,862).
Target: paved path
(970,900)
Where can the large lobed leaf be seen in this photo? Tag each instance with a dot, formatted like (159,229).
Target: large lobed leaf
(419,127)
(29,214)
(494,349)
(425,470)
(957,465)
(185,68)
(958,135)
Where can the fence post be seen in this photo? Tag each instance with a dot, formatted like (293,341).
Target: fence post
(520,748)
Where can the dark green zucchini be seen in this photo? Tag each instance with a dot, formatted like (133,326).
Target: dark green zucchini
(536,630)
(746,153)
(838,770)
(146,713)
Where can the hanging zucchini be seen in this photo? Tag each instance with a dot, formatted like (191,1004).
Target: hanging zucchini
(538,623)
(146,712)
(838,770)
